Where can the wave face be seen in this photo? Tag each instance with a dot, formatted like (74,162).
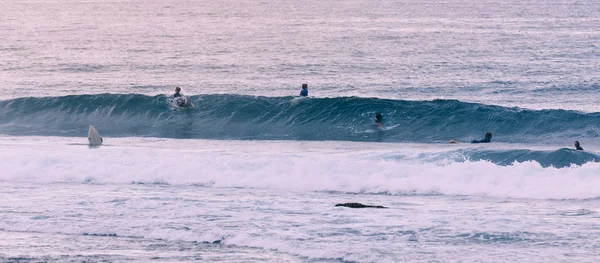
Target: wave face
(289,118)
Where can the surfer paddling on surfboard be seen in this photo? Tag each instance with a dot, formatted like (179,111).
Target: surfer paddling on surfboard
(578,146)
(486,139)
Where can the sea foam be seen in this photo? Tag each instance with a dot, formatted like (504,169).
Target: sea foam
(317,166)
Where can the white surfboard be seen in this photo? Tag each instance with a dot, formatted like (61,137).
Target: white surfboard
(94,137)
(296,100)
(180,102)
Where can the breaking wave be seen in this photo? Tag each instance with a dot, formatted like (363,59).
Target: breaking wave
(241,117)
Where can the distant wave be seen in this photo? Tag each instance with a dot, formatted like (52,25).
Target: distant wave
(559,158)
(290,118)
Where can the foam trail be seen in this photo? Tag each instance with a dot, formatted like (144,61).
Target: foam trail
(313,167)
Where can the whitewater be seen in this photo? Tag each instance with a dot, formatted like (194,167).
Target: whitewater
(253,173)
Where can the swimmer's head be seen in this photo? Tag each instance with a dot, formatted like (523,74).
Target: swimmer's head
(379,116)
(488,135)
(177,89)
(304,86)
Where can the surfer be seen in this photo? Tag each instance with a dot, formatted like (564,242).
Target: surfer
(177,94)
(179,99)
(379,120)
(486,139)
(578,146)
(304,91)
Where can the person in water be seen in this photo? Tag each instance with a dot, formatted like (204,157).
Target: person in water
(177,94)
(304,91)
(486,139)
(178,98)
(578,146)
(379,120)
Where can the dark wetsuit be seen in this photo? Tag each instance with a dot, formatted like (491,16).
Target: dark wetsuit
(179,99)
(484,140)
(304,93)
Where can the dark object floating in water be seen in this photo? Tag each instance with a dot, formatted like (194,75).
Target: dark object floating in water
(359,205)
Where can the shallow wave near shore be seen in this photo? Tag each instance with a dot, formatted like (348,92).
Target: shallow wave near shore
(337,167)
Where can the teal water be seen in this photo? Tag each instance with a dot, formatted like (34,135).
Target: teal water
(252,173)
(242,117)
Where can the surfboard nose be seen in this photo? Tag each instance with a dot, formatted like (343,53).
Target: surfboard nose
(94,137)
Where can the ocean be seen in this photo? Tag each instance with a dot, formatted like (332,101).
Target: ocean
(253,173)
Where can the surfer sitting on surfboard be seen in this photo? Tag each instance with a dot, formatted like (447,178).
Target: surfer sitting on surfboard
(304,91)
(178,98)
(177,94)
